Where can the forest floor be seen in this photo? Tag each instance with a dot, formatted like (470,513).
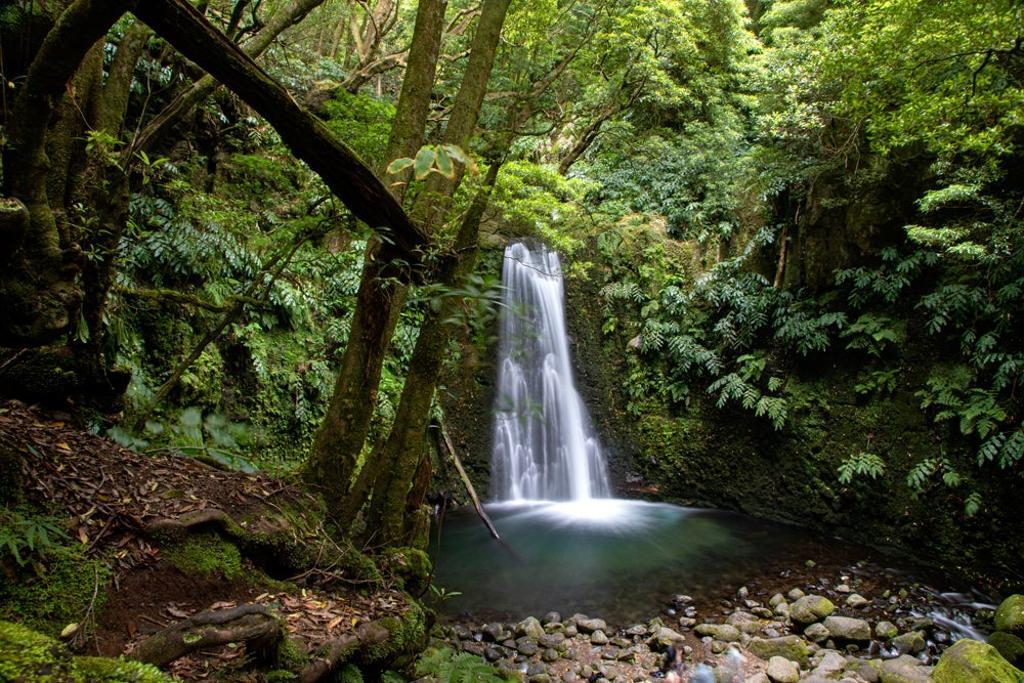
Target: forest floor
(174,540)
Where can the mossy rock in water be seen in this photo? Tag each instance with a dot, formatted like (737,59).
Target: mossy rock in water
(1010,647)
(207,554)
(1010,615)
(27,656)
(971,661)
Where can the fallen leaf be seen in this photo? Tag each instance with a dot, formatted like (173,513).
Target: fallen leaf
(334,623)
(64,447)
(69,631)
(83,536)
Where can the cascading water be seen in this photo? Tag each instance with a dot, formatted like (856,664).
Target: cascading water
(544,446)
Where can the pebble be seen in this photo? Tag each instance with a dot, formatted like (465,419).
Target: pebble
(781,670)
(856,601)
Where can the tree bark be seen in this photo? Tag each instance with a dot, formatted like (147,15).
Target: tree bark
(252,624)
(379,300)
(38,294)
(347,176)
(287,16)
(397,461)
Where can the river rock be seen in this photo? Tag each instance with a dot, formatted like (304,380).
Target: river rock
(1010,615)
(549,655)
(791,647)
(776,599)
(795,594)
(781,670)
(462,632)
(885,630)
(1010,647)
(906,669)
(551,618)
(910,643)
(762,612)
(848,628)
(492,653)
(743,593)
(473,647)
(526,646)
(971,660)
(588,625)
(598,637)
(856,601)
(494,632)
(811,608)
(637,630)
(724,632)
(663,638)
(530,627)
(816,633)
(571,631)
(759,677)
(551,640)
(830,664)
(782,610)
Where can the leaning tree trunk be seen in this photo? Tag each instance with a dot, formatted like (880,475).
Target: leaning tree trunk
(397,462)
(379,300)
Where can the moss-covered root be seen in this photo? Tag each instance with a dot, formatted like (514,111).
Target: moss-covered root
(29,656)
(971,661)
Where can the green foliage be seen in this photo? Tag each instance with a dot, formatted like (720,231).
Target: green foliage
(861,464)
(28,538)
(446,666)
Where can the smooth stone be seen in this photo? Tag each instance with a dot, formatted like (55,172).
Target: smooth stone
(570,677)
(795,594)
(462,632)
(473,647)
(598,637)
(816,633)
(831,664)
(743,593)
(530,627)
(637,630)
(1009,615)
(663,638)
(759,677)
(791,647)
(811,608)
(1010,647)
(775,600)
(526,646)
(610,653)
(619,641)
(843,588)
(885,630)
(971,660)
(782,610)
(685,622)
(680,600)
(781,670)
(904,669)
(551,618)
(856,601)
(910,643)
(587,625)
(848,628)
(494,632)
(866,672)
(549,655)
(492,653)
(725,632)
(762,612)
(551,640)
(571,631)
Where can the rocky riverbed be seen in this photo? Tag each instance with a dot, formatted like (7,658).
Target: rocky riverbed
(859,623)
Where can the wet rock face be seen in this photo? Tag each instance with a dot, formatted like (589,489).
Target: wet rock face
(970,660)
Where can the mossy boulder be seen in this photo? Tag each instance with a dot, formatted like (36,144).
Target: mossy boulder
(811,608)
(1011,647)
(1010,615)
(971,661)
(411,565)
(793,648)
(27,656)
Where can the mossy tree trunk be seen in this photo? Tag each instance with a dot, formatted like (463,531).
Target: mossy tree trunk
(379,300)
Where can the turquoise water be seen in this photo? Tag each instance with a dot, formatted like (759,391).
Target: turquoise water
(620,560)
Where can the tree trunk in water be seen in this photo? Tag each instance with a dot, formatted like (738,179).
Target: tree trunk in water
(396,463)
(340,438)
(38,293)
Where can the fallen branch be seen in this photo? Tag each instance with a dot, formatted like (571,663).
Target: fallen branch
(467,483)
(243,624)
(337,651)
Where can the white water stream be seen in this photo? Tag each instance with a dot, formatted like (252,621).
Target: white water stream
(544,445)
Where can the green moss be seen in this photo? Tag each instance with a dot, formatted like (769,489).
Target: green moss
(970,661)
(59,595)
(291,656)
(1010,615)
(207,554)
(350,674)
(27,655)
(1010,647)
(410,565)
(408,635)
(107,670)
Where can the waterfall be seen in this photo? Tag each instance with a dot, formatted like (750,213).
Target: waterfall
(544,445)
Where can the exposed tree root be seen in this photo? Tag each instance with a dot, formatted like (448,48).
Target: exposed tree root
(338,651)
(254,625)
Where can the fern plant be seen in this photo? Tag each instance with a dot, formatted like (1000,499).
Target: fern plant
(444,665)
